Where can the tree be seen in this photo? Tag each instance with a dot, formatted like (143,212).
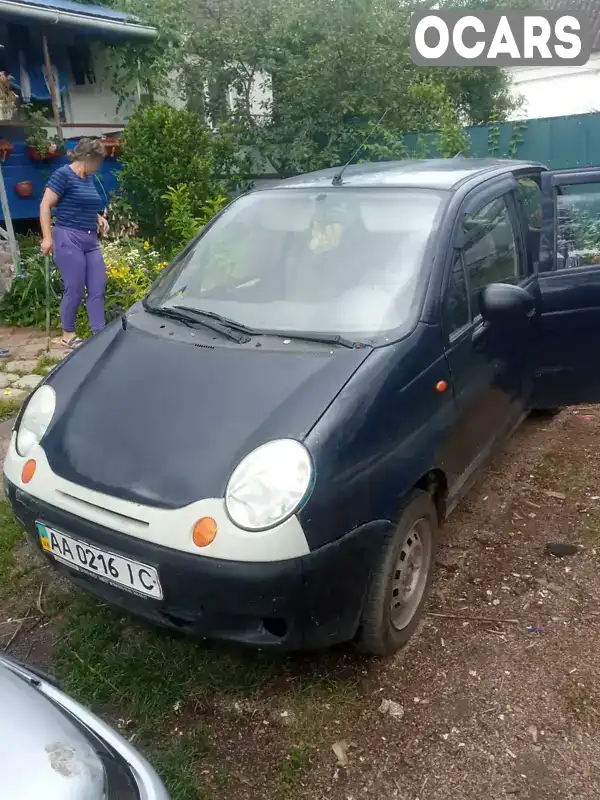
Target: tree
(335,67)
(173,166)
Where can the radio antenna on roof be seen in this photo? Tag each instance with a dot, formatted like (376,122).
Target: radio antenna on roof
(337,178)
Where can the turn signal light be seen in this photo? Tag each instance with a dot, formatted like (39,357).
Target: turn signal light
(204,532)
(28,471)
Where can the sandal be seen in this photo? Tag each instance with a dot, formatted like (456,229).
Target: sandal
(71,343)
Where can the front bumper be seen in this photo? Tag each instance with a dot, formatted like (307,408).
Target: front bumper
(309,602)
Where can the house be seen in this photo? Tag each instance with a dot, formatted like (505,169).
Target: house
(563,90)
(58,50)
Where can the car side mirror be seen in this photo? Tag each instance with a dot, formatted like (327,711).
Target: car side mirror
(505,304)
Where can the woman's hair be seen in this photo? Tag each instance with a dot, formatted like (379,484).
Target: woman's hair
(86,149)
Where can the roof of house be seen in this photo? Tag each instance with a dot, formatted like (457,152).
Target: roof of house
(84,17)
(591,9)
(436,173)
(86,9)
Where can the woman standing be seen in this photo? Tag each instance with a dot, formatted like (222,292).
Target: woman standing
(72,191)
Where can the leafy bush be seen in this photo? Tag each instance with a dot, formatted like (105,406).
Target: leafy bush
(167,147)
(132,267)
(181,220)
(25,303)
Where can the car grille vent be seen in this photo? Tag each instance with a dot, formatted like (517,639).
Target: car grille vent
(105,511)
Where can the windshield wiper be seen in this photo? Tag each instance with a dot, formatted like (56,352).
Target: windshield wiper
(230,323)
(323,338)
(192,320)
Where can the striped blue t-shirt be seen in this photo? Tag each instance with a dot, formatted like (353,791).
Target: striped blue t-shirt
(80,202)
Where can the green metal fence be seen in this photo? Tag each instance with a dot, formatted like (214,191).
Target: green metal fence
(558,142)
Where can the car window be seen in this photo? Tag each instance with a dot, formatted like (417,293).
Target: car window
(456,302)
(490,254)
(347,261)
(578,225)
(529,195)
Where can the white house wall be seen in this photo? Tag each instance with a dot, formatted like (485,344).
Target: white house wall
(557,91)
(97,103)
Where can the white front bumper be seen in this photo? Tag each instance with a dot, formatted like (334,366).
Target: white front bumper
(165,527)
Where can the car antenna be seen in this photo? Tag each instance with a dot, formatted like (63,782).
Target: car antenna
(337,178)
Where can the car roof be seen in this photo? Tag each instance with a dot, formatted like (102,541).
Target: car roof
(436,173)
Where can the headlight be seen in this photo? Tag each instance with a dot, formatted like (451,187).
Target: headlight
(35,420)
(269,484)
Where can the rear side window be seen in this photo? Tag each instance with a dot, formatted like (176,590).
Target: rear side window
(491,254)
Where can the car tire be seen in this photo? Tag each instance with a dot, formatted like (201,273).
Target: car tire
(395,598)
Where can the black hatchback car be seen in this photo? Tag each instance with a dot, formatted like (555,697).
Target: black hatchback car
(263,450)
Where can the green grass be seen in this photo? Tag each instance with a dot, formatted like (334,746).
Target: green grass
(10,534)
(45,365)
(194,707)
(180,695)
(180,762)
(9,406)
(293,769)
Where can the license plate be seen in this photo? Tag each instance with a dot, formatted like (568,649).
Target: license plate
(139,578)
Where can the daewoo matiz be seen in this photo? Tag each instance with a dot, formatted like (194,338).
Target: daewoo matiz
(263,450)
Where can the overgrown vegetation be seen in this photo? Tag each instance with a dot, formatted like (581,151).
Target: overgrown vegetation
(301,82)
(167,147)
(132,267)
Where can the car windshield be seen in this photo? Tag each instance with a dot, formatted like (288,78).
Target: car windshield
(340,261)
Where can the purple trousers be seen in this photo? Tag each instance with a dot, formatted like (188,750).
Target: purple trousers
(79,259)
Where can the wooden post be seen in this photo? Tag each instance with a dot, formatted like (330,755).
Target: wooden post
(53,92)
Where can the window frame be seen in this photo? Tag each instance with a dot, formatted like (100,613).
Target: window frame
(451,335)
(552,181)
(536,177)
(471,206)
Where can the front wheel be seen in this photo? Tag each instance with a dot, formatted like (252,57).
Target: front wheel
(401,580)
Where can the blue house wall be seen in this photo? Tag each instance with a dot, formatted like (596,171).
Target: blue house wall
(19,167)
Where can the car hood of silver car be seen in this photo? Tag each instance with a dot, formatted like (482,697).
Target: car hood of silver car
(42,754)
(52,747)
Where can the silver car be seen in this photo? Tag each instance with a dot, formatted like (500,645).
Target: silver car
(53,747)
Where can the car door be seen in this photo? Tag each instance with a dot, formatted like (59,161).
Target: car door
(567,331)
(488,367)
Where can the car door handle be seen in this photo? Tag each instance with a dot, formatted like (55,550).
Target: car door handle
(479,334)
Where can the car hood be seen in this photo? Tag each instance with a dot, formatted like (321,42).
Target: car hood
(42,754)
(154,416)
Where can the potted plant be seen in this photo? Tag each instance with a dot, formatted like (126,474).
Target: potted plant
(112,146)
(8,99)
(38,144)
(6,148)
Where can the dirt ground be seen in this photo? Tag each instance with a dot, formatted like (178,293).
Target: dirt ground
(498,695)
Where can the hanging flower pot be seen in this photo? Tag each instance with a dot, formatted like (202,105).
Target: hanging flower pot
(6,149)
(24,188)
(53,151)
(112,146)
